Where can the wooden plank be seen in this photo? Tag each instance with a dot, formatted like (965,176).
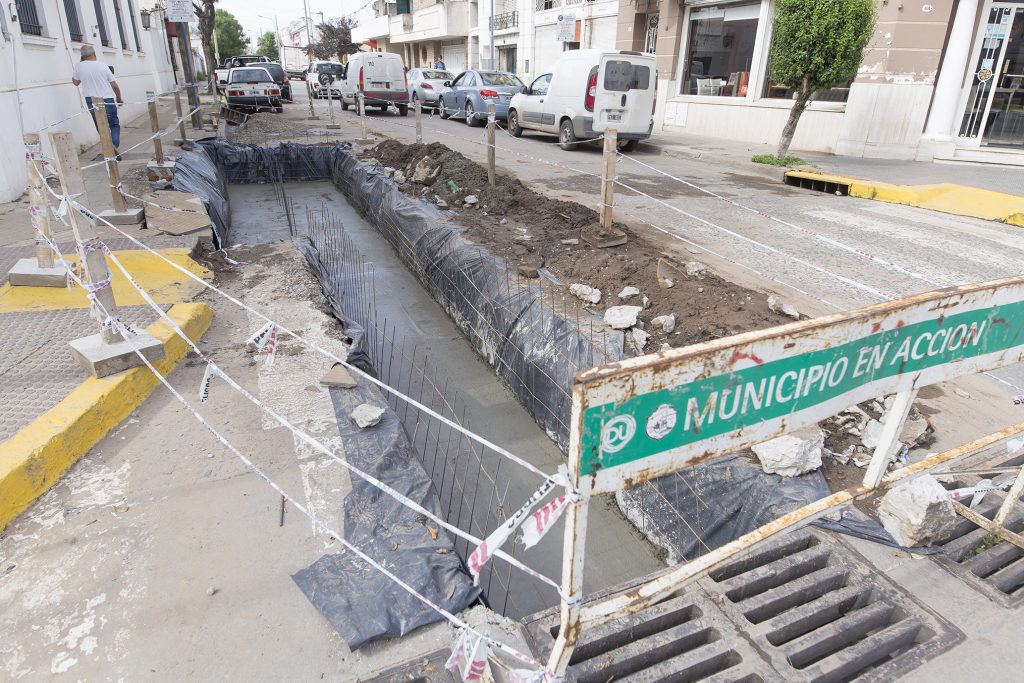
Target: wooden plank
(109,153)
(192,218)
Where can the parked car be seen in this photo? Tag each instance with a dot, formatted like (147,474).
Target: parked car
(425,85)
(233,63)
(281,78)
(469,94)
(314,88)
(587,92)
(380,77)
(252,87)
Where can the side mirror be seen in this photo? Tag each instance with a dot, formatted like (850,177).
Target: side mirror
(447,84)
(524,90)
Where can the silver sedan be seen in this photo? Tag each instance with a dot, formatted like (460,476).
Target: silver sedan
(425,85)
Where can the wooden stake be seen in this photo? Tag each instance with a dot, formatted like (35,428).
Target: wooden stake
(362,113)
(988,525)
(419,121)
(40,210)
(109,152)
(491,175)
(889,437)
(95,262)
(611,148)
(181,119)
(154,125)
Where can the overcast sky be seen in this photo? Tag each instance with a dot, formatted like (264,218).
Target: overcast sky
(248,12)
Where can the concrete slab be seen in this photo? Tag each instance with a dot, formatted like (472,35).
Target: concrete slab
(129,217)
(103,359)
(28,273)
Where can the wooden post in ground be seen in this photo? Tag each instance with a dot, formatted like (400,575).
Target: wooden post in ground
(362,113)
(105,353)
(181,118)
(491,124)
(611,139)
(154,125)
(419,120)
(40,271)
(109,153)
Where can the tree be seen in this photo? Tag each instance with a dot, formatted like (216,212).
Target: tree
(230,37)
(206,13)
(816,45)
(267,46)
(335,39)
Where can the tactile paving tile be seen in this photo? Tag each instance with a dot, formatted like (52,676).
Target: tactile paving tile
(37,369)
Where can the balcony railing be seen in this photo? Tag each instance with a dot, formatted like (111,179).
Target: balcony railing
(548,4)
(29,18)
(505,20)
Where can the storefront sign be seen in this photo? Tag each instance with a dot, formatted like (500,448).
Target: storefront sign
(649,416)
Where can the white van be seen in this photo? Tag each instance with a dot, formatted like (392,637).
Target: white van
(380,77)
(587,92)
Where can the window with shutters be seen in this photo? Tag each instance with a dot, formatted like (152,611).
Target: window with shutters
(28,17)
(74,21)
(135,26)
(120,24)
(101,23)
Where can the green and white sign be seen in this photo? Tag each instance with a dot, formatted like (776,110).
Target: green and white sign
(654,415)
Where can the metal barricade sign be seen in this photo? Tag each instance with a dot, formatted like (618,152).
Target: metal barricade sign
(650,416)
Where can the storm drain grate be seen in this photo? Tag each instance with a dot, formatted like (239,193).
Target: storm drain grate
(803,608)
(821,613)
(808,182)
(989,565)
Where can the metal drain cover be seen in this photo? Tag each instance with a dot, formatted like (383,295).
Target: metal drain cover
(803,608)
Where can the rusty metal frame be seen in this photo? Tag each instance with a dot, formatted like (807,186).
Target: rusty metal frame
(631,378)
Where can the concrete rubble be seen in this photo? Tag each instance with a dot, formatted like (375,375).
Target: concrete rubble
(586,293)
(622,317)
(628,293)
(639,338)
(696,269)
(366,415)
(664,323)
(918,512)
(792,454)
(776,305)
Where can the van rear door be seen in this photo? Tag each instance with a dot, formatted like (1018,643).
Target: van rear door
(383,72)
(624,97)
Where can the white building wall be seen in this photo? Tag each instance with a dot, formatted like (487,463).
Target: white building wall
(35,79)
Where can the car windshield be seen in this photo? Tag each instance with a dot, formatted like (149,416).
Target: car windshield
(276,70)
(500,78)
(434,75)
(329,68)
(250,76)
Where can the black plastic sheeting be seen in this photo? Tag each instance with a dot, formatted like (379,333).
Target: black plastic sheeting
(533,349)
(199,173)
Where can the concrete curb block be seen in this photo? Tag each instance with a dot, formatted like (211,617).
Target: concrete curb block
(33,460)
(959,200)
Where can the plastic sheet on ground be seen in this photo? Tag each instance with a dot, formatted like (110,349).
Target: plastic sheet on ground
(199,173)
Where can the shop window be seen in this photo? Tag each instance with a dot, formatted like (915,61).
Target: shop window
(721,49)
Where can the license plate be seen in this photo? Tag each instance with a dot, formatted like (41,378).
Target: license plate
(614,116)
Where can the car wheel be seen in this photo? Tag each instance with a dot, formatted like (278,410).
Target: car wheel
(567,136)
(403,110)
(513,124)
(470,114)
(630,145)
(344,104)
(278,110)
(442,110)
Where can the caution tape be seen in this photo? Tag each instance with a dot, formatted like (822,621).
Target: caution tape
(469,656)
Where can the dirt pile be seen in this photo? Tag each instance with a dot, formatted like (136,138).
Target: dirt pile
(531,230)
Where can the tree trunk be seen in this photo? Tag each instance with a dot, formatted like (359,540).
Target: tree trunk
(803,94)
(207,23)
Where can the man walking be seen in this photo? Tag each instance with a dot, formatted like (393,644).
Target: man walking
(97,80)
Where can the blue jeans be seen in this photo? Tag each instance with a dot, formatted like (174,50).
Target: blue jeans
(112,120)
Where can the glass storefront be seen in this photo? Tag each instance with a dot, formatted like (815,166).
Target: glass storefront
(995,103)
(721,49)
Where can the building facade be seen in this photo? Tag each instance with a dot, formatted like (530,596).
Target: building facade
(39,47)
(940,80)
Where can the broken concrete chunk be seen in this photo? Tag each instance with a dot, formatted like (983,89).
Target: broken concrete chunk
(666,283)
(871,434)
(645,302)
(471,200)
(639,338)
(792,454)
(425,171)
(366,415)
(776,305)
(916,430)
(585,293)
(665,323)
(529,270)
(388,172)
(696,269)
(441,204)
(918,512)
(399,177)
(570,242)
(622,317)
(503,221)
(628,293)
(338,376)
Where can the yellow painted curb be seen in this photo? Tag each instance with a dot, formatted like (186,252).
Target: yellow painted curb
(165,283)
(960,200)
(33,460)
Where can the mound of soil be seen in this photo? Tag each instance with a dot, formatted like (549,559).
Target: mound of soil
(528,228)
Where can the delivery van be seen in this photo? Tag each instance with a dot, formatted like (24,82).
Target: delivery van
(587,92)
(380,77)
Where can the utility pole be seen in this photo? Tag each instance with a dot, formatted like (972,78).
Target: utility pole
(492,35)
(309,30)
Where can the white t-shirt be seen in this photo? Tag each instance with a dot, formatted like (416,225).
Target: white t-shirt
(96,78)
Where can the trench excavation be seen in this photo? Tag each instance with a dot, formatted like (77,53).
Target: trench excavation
(436,315)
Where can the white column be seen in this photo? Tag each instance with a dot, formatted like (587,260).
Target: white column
(942,119)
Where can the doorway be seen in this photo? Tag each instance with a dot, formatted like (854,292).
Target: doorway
(995,104)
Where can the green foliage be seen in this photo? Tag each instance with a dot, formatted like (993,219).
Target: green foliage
(819,40)
(231,40)
(335,39)
(267,46)
(773,161)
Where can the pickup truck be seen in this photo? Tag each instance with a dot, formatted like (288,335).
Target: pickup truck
(252,88)
(234,62)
